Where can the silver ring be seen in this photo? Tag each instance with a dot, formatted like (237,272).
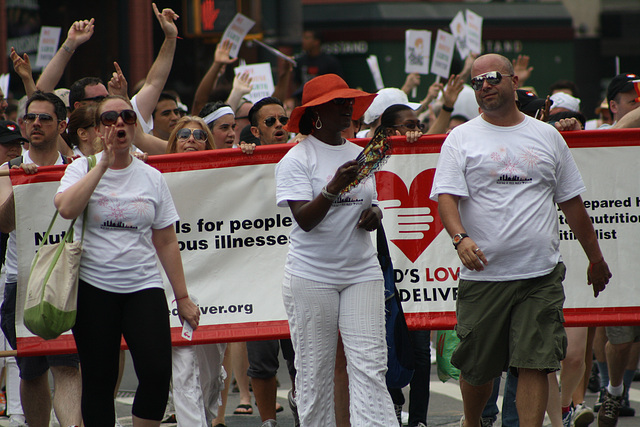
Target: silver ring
(476,250)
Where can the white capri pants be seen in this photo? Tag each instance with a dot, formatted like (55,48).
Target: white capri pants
(316,312)
(198,379)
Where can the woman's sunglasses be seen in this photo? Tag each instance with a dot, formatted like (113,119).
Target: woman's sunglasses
(492,77)
(109,118)
(198,134)
(270,121)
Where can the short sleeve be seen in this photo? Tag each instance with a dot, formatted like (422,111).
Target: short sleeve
(292,181)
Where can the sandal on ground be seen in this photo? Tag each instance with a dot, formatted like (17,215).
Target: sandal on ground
(279,407)
(243,409)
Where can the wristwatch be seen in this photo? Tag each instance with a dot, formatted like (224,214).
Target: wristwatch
(458,238)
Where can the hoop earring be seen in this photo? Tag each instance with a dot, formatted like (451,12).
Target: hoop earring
(318,123)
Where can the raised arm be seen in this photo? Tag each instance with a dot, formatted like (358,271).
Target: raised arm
(22,67)
(79,33)
(241,87)
(522,69)
(221,58)
(449,97)
(147,97)
(284,80)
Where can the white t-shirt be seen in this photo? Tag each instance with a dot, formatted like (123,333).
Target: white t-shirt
(118,254)
(508,180)
(147,126)
(334,251)
(11,257)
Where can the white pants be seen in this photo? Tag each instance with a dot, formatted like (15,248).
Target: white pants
(198,379)
(316,312)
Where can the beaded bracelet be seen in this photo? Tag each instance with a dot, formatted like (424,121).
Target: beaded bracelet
(327,195)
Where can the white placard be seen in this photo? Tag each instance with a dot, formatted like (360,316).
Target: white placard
(443,54)
(459,30)
(474,31)
(372,61)
(47,45)
(4,84)
(261,80)
(236,32)
(416,51)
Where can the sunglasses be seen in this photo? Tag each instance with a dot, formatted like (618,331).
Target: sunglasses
(198,134)
(98,98)
(109,118)
(270,121)
(31,117)
(342,101)
(492,77)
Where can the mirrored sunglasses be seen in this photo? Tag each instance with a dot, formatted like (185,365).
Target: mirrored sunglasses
(492,77)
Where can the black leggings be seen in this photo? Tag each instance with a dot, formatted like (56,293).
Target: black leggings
(142,318)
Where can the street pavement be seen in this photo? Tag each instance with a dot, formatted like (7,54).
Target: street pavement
(445,404)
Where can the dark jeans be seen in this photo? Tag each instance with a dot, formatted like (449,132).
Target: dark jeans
(419,392)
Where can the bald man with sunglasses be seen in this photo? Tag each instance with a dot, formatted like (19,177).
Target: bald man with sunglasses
(497,182)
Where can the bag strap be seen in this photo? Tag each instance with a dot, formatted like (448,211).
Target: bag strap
(68,237)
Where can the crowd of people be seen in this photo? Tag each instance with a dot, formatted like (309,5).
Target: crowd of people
(510,295)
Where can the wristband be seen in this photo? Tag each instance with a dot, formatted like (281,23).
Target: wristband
(184,297)
(447,109)
(65,47)
(327,195)
(591,264)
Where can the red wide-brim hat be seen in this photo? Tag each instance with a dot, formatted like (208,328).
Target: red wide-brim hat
(325,88)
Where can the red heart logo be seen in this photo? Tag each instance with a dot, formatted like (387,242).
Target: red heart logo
(391,187)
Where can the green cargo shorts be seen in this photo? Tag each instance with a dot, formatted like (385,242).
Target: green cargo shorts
(517,324)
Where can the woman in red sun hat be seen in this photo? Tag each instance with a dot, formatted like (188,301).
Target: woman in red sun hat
(333,280)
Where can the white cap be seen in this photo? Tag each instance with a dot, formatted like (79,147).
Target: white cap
(566,101)
(386,98)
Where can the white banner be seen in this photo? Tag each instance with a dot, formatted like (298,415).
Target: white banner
(234,239)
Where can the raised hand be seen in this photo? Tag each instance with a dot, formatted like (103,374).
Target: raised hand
(167,19)
(79,33)
(222,53)
(21,64)
(522,69)
(118,84)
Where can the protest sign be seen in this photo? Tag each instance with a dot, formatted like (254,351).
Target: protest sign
(261,80)
(458,28)
(236,32)
(474,32)
(416,51)
(47,45)
(443,54)
(372,61)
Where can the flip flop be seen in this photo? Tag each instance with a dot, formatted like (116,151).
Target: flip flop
(279,407)
(243,409)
